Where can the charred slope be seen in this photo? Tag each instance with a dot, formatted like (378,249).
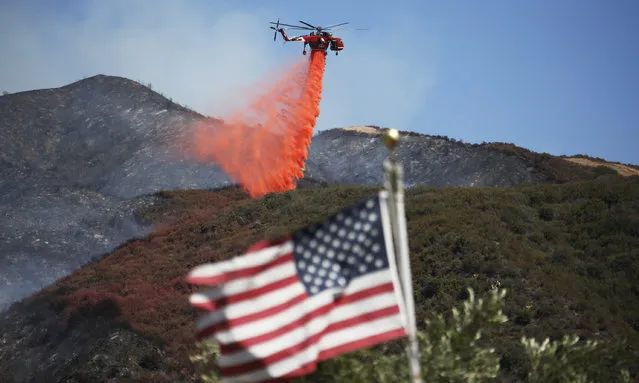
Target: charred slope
(355,156)
(73,162)
(106,133)
(91,345)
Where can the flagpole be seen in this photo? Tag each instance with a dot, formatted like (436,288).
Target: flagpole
(393,175)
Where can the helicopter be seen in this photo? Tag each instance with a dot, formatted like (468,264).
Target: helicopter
(319,39)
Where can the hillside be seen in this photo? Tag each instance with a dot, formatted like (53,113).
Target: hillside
(75,161)
(567,253)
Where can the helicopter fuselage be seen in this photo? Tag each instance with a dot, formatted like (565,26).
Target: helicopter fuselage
(318,42)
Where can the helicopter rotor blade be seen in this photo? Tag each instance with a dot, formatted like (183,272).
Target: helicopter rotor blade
(289,25)
(336,25)
(310,27)
(293,28)
(305,23)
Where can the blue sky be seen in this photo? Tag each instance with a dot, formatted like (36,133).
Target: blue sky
(551,76)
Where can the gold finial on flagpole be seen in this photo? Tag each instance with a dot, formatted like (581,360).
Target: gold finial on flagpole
(391,138)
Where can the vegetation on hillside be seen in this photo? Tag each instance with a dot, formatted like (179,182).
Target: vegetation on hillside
(556,168)
(566,253)
(599,159)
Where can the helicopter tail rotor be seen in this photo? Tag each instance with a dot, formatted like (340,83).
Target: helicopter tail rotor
(276,28)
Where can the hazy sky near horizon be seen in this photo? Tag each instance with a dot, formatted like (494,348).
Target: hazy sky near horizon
(551,76)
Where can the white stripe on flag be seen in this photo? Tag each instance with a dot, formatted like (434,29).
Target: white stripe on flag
(273,322)
(247,260)
(310,354)
(251,306)
(244,284)
(312,328)
(361,331)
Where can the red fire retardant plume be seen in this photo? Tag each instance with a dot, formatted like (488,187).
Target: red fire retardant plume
(264,145)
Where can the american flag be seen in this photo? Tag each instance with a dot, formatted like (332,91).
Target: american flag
(285,305)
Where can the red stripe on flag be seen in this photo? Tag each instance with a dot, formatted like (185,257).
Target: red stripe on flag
(261,245)
(311,366)
(362,343)
(219,304)
(367,317)
(227,324)
(306,343)
(342,301)
(241,273)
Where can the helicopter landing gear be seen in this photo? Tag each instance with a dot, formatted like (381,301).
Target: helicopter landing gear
(304,53)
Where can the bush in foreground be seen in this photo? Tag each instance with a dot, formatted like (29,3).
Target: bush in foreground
(453,350)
